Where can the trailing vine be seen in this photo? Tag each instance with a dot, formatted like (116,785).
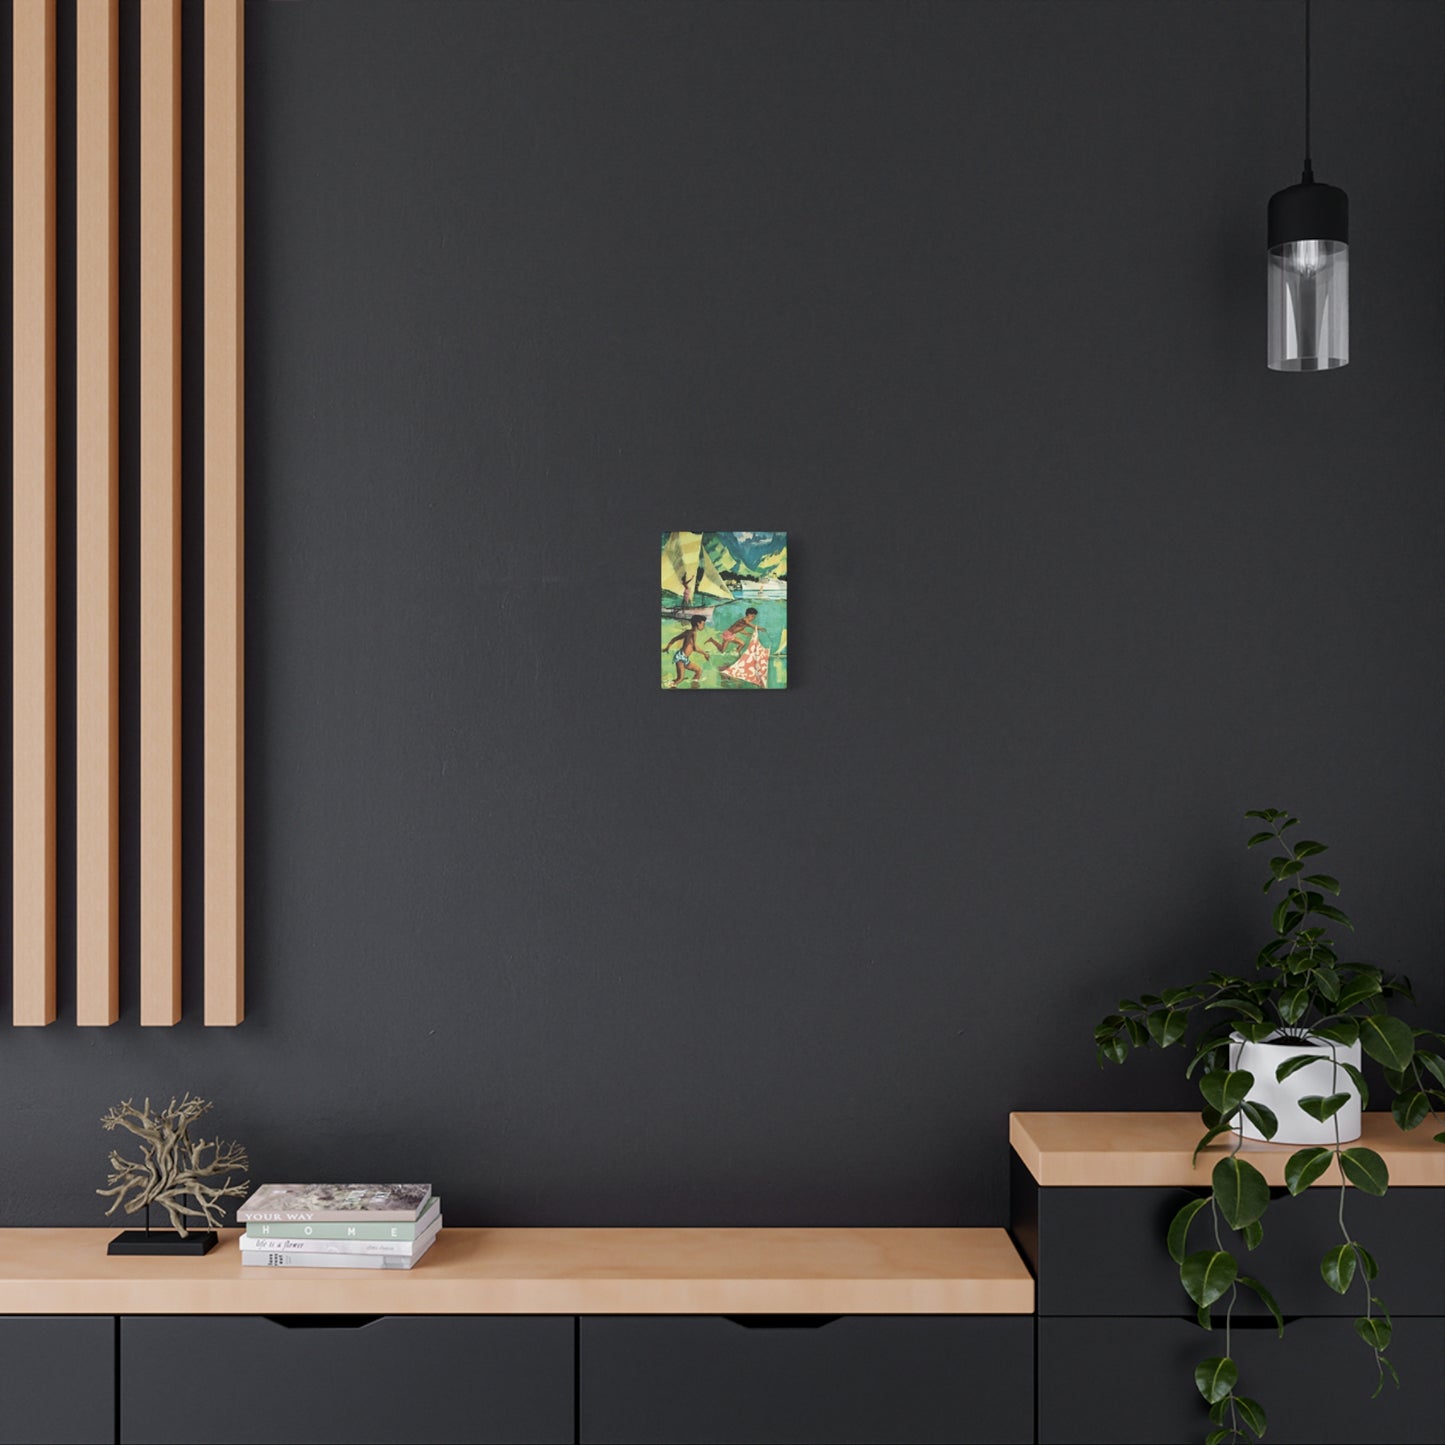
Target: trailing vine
(1300,993)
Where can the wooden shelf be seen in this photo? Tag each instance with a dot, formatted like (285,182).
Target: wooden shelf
(1108,1150)
(544,1271)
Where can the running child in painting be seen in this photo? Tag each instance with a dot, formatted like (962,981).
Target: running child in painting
(740,632)
(686,659)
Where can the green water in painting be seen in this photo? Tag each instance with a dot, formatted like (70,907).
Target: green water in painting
(772,618)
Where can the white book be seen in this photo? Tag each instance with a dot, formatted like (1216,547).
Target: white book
(407,1248)
(306,1259)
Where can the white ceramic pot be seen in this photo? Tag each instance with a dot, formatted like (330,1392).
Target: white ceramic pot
(1325,1077)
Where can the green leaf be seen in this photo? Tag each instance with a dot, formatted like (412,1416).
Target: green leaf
(1433,1062)
(1326,979)
(1373,1331)
(1292,1004)
(1365,1170)
(1216,1377)
(1202,1315)
(1345,1033)
(1219,1437)
(1308,848)
(1304,1166)
(1411,1110)
(1358,1080)
(1106,1028)
(1338,1267)
(1387,1040)
(1259,838)
(1262,1117)
(1166,1026)
(1277,920)
(1128,1005)
(1385,1365)
(1283,868)
(1207,1274)
(1178,1237)
(1207,1047)
(1238,1005)
(1215,1130)
(1252,1412)
(1294,1064)
(1321,1108)
(1357,990)
(1439,1138)
(1253,1235)
(1240,1191)
(1256,1033)
(1270,1303)
(1367,1262)
(1335,915)
(1116,1050)
(1267,815)
(1226,1089)
(1323,880)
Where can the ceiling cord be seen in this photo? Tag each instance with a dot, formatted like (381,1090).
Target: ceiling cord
(1309,173)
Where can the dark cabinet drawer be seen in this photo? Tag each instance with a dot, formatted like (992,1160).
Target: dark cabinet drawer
(1101,1251)
(1119,1381)
(57,1379)
(777,1379)
(312,1379)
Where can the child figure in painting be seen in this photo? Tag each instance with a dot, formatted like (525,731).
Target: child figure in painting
(740,632)
(687,654)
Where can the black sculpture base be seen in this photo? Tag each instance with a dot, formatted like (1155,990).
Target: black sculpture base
(162,1241)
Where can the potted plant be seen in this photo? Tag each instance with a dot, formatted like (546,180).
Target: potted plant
(1279,1053)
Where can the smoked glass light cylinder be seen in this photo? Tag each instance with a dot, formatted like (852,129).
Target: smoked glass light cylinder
(1309,278)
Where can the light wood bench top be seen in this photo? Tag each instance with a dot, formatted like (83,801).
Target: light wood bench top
(543,1271)
(1099,1150)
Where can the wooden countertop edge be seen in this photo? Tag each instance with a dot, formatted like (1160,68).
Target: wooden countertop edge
(1166,1161)
(86,1281)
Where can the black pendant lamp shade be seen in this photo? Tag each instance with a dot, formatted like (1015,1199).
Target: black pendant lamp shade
(1309,267)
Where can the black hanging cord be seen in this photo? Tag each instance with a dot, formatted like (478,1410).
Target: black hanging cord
(1309,171)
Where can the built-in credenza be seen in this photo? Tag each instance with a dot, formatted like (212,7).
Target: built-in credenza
(527,1335)
(1092,1197)
(767,1335)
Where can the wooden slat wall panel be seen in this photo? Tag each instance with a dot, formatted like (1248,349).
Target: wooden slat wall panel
(97,433)
(33,502)
(225,511)
(160,508)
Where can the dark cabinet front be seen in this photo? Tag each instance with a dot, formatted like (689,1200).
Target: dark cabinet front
(419,1378)
(1102,1252)
(57,1380)
(687,1381)
(1122,1381)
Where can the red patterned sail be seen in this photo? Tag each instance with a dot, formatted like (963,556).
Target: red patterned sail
(752,666)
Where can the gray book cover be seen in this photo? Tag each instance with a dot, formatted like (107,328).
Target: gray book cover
(337,1203)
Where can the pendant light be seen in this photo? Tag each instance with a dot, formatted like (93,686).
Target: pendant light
(1309,266)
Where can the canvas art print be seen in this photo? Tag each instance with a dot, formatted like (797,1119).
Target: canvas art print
(724,610)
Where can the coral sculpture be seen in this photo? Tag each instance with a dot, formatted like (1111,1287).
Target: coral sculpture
(172,1166)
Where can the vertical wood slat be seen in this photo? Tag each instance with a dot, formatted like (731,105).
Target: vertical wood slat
(160,511)
(33,503)
(97,434)
(225,512)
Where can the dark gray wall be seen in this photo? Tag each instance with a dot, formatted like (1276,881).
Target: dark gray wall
(970,299)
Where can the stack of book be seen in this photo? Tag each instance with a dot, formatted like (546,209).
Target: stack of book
(339,1226)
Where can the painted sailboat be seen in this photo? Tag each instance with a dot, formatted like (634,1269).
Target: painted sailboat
(688,576)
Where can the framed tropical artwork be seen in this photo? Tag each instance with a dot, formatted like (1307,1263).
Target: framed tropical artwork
(724,610)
